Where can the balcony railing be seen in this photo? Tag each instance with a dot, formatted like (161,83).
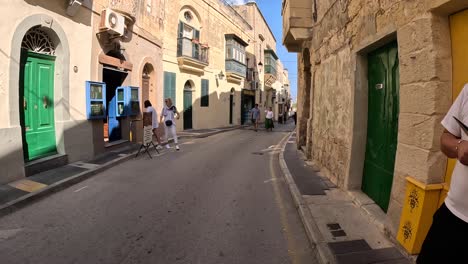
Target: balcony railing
(236,67)
(191,49)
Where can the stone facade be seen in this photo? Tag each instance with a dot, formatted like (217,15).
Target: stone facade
(140,47)
(215,20)
(79,43)
(71,39)
(333,45)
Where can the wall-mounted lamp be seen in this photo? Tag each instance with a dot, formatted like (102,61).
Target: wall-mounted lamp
(221,75)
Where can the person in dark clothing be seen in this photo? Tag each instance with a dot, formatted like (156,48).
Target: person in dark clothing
(295,117)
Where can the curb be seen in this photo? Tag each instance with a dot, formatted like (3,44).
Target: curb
(27,199)
(324,254)
(22,201)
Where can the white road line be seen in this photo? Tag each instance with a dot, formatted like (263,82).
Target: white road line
(270,180)
(80,189)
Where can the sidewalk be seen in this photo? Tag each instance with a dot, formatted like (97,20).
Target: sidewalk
(342,232)
(17,194)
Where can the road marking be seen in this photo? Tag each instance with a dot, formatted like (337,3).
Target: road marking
(80,189)
(27,185)
(270,180)
(288,234)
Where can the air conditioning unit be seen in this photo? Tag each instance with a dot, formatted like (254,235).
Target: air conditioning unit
(112,22)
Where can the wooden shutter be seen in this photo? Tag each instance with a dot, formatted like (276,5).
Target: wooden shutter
(170,86)
(196,45)
(205,93)
(180,35)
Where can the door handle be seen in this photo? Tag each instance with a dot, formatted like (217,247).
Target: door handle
(25,104)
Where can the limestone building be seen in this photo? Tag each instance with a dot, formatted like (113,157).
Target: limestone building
(205,62)
(263,61)
(128,60)
(375,80)
(44,62)
(57,61)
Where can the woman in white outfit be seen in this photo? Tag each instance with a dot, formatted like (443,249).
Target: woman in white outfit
(170,114)
(150,109)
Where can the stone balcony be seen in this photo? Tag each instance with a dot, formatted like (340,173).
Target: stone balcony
(298,18)
(192,56)
(236,72)
(271,73)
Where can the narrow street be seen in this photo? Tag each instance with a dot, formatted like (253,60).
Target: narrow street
(221,199)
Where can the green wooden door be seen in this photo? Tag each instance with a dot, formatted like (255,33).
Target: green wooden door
(382,124)
(188,123)
(38,106)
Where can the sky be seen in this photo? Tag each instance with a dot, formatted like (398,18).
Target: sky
(271,10)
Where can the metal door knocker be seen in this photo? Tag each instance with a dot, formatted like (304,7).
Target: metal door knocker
(45,102)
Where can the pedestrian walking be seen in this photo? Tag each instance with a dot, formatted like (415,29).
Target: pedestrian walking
(294,116)
(170,114)
(154,122)
(269,125)
(446,240)
(255,116)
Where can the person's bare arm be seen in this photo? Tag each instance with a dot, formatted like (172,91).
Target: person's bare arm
(454,147)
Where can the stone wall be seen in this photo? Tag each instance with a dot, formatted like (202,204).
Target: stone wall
(345,31)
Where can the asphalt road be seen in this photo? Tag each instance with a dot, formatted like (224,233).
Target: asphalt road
(220,200)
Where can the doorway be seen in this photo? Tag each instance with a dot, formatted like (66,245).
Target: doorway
(146,82)
(382,127)
(112,125)
(231,106)
(248,102)
(188,107)
(37,105)
(459,37)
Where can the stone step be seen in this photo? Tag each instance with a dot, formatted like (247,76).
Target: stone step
(45,164)
(384,255)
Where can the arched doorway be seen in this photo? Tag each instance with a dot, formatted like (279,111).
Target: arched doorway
(188,108)
(114,78)
(146,82)
(231,106)
(304,104)
(37,116)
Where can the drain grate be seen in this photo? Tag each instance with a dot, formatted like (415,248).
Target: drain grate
(334,226)
(336,230)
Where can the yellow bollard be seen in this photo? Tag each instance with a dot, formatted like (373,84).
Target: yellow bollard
(421,202)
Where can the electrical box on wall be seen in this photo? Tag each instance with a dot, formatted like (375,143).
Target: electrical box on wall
(95,100)
(128,101)
(120,101)
(133,100)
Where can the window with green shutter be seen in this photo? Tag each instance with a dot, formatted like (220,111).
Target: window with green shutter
(170,86)
(205,93)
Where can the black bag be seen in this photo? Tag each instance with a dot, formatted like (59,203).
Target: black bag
(168,123)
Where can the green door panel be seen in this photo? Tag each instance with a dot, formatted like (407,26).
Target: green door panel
(38,106)
(188,110)
(382,124)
